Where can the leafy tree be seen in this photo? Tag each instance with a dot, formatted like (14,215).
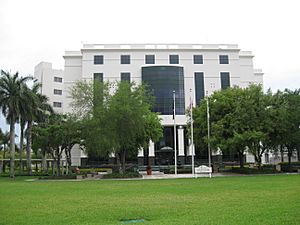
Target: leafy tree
(291,138)
(121,123)
(72,136)
(11,101)
(225,131)
(240,119)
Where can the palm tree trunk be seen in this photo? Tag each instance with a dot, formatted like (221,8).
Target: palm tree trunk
(21,146)
(123,155)
(28,147)
(44,162)
(12,148)
(4,160)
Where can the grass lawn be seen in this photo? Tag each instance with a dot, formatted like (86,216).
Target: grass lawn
(223,200)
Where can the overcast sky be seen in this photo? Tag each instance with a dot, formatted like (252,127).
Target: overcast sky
(41,30)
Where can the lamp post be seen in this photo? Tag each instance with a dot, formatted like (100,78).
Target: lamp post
(208,130)
(174,117)
(192,135)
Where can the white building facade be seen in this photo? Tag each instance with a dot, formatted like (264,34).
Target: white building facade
(192,70)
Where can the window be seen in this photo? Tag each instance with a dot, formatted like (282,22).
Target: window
(198,59)
(162,81)
(199,86)
(57,104)
(98,59)
(57,92)
(174,59)
(58,79)
(223,59)
(125,59)
(149,59)
(98,77)
(125,77)
(225,80)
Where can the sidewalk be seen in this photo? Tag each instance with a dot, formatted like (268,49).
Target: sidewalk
(173,176)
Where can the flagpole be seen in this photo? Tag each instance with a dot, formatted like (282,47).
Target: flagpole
(192,135)
(175,133)
(208,131)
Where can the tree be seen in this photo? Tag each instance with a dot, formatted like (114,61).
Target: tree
(240,119)
(121,123)
(5,142)
(225,131)
(292,136)
(72,136)
(11,99)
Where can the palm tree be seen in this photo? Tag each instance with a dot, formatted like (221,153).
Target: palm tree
(37,111)
(11,99)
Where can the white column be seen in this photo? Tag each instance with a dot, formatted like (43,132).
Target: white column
(141,152)
(151,149)
(180,141)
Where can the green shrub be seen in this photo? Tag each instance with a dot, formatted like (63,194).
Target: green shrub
(94,170)
(63,177)
(125,175)
(246,170)
(286,168)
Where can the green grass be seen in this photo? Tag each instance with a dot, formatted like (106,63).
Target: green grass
(224,200)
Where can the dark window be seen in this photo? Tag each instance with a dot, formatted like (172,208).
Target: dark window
(125,77)
(149,59)
(225,80)
(223,59)
(162,80)
(57,92)
(125,59)
(199,86)
(98,77)
(174,59)
(198,59)
(98,59)
(57,104)
(58,79)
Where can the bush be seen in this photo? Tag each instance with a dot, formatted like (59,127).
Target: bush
(245,170)
(180,170)
(125,175)
(64,177)
(294,166)
(94,170)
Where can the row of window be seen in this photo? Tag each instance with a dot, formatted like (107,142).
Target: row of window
(150,59)
(124,77)
(198,76)
(57,92)
(57,104)
(58,79)
(199,84)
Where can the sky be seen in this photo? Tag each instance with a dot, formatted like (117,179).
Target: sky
(32,31)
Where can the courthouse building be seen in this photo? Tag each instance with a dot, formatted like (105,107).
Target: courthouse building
(192,70)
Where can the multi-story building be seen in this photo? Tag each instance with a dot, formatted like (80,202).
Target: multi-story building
(192,70)
(52,84)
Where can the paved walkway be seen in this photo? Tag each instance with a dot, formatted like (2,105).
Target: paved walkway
(173,176)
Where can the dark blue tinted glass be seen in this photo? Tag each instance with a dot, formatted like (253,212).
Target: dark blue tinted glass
(162,80)
(98,59)
(125,77)
(174,59)
(198,59)
(125,59)
(199,86)
(149,59)
(225,80)
(223,59)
